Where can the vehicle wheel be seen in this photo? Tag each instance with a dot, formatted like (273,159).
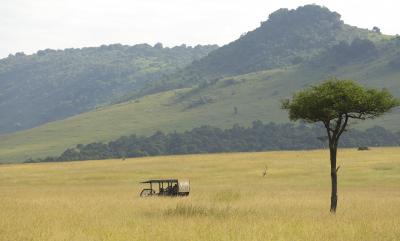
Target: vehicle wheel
(147,193)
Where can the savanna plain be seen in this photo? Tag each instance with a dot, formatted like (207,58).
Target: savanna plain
(229,200)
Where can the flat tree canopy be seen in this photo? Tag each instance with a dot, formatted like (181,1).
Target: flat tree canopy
(334,103)
(339,98)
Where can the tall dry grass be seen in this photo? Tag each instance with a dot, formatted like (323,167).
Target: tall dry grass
(229,200)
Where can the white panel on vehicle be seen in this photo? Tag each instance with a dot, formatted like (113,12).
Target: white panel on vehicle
(184,186)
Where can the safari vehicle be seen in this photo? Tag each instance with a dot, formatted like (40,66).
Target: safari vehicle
(166,187)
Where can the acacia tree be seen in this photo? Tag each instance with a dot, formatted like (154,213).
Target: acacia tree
(334,103)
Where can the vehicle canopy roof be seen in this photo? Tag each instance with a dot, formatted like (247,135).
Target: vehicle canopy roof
(160,180)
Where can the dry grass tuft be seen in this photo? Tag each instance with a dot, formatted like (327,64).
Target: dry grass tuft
(189,210)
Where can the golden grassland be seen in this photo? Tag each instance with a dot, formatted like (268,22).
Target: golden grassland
(229,200)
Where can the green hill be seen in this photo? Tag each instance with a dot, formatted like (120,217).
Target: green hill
(209,90)
(54,84)
(287,38)
(256,97)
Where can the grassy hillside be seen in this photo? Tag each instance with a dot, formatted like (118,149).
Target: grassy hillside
(53,84)
(256,97)
(229,199)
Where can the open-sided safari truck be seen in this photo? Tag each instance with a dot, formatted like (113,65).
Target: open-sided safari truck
(166,187)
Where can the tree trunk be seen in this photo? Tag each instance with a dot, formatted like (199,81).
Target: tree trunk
(333,153)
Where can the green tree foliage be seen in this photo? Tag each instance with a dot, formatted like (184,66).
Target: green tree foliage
(334,103)
(376,30)
(207,139)
(344,53)
(54,84)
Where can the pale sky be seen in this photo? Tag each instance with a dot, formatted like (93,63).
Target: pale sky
(31,25)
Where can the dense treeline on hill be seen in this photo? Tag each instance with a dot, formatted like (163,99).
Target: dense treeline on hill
(207,139)
(54,84)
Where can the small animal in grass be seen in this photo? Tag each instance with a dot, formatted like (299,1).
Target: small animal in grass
(265,171)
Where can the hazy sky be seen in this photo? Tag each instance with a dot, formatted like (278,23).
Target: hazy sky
(30,25)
